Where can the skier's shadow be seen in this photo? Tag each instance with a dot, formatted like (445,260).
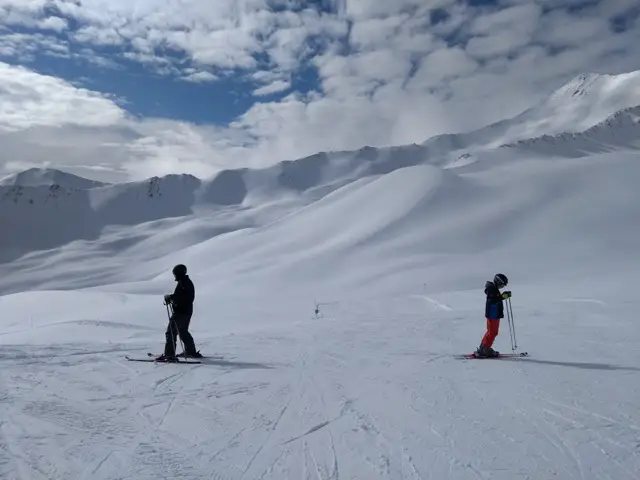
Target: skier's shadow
(233,364)
(584,366)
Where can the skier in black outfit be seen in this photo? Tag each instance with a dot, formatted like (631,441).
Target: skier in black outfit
(182,302)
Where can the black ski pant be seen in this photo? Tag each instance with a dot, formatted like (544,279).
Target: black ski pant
(179,325)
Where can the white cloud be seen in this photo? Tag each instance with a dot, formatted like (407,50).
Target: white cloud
(503,32)
(387,75)
(24,46)
(222,48)
(56,24)
(267,76)
(521,17)
(366,9)
(274,87)
(28,99)
(376,32)
(345,77)
(95,35)
(200,77)
(441,65)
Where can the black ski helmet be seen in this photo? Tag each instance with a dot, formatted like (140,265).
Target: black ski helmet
(500,280)
(179,271)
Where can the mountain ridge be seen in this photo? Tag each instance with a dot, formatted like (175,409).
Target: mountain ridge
(230,186)
(36,177)
(582,103)
(45,216)
(625,125)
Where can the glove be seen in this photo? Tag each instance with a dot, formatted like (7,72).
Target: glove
(167,298)
(506,294)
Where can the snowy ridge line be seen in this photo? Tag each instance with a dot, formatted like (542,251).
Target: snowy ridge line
(620,130)
(49,177)
(593,98)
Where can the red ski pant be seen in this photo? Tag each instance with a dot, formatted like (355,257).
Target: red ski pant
(493,325)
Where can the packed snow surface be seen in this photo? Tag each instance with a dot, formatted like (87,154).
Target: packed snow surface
(392,247)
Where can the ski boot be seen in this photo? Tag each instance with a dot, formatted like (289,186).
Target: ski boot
(190,355)
(167,359)
(486,352)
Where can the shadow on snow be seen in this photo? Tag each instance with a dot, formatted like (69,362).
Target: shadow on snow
(582,365)
(233,364)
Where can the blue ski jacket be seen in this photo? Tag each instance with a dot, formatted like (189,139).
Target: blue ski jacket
(494,308)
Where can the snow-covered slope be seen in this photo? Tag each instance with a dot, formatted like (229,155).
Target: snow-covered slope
(620,132)
(393,248)
(34,177)
(43,217)
(584,102)
(592,113)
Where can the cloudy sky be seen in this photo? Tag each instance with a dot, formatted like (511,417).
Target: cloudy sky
(134,88)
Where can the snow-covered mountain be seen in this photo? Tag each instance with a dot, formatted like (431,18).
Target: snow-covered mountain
(584,102)
(35,177)
(620,132)
(46,209)
(336,290)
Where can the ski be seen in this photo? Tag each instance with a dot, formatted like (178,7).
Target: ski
(501,355)
(155,360)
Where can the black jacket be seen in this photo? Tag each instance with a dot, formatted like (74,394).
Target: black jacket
(183,296)
(494,308)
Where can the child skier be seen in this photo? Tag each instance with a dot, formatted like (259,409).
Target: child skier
(494,311)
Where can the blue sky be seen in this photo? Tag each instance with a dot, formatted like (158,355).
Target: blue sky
(151,93)
(157,92)
(155,87)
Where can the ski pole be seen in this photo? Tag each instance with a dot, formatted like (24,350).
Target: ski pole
(184,350)
(510,330)
(512,325)
(175,325)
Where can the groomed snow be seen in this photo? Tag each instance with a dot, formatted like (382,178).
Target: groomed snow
(393,247)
